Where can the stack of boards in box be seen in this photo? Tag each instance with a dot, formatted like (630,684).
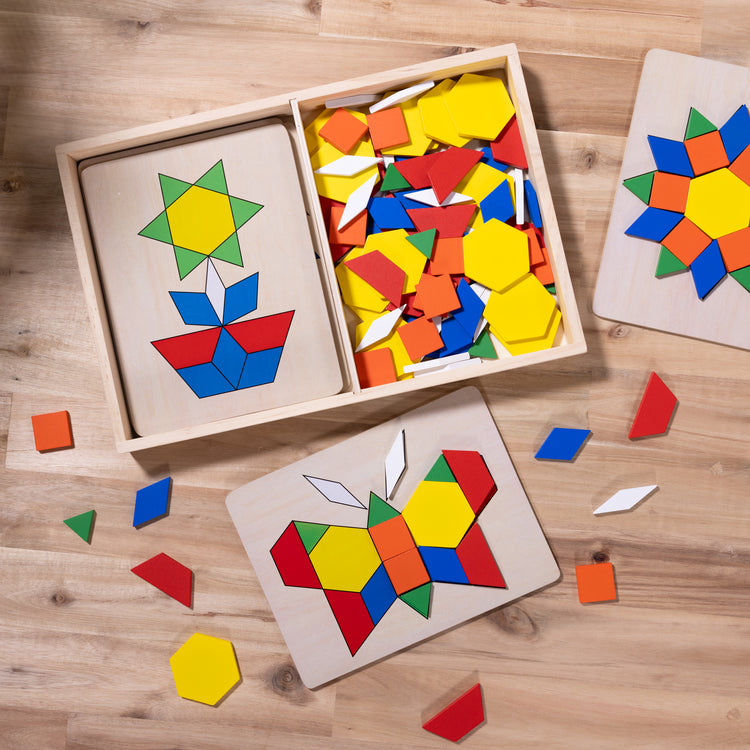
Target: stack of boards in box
(434,227)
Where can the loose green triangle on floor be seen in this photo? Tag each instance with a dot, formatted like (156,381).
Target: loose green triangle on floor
(242,210)
(172,189)
(743,276)
(483,346)
(82,524)
(697,125)
(214,179)
(310,533)
(640,185)
(393,180)
(229,250)
(187,260)
(440,472)
(419,599)
(424,241)
(379,511)
(668,263)
(158,229)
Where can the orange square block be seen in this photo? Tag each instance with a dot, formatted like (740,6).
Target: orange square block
(735,249)
(686,241)
(354,233)
(741,166)
(436,295)
(387,128)
(406,571)
(543,270)
(706,153)
(596,583)
(669,192)
(375,367)
(536,256)
(52,431)
(447,257)
(343,130)
(420,337)
(391,537)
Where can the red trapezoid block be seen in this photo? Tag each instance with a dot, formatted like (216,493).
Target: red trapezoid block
(352,616)
(477,560)
(292,560)
(169,576)
(189,349)
(259,334)
(460,717)
(473,477)
(450,221)
(656,408)
(448,171)
(381,273)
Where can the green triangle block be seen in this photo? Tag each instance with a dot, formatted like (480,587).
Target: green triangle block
(668,263)
(187,260)
(229,250)
(424,241)
(743,276)
(697,125)
(379,511)
(551,288)
(440,472)
(242,210)
(158,229)
(172,189)
(82,525)
(214,179)
(483,346)
(640,185)
(419,599)
(393,180)
(310,533)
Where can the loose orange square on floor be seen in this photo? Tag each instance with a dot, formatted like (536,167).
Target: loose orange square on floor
(735,249)
(52,431)
(596,583)
(375,367)
(436,295)
(447,257)
(686,241)
(706,153)
(669,192)
(343,130)
(387,128)
(391,537)
(354,233)
(420,337)
(406,571)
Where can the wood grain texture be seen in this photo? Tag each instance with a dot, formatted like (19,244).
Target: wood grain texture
(84,661)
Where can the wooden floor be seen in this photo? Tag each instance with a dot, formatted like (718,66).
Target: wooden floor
(84,645)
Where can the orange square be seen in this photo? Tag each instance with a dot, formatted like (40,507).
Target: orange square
(436,295)
(735,249)
(669,192)
(706,153)
(353,233)
(391,537)
(375,367)
(447,257)
(387,128)
(596,583)
(543,270)
(686,241)
(406,571)
(52,431)
(343,130)
(741,166)
(420,337)
(536,256)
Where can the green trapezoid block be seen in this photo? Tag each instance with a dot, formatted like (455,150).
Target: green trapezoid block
(242,210)
(440,472)
(697,125)
(483,346)
(187,260)
(640,185)
(424,241)
(172,189)
(419,599)
(668,263)
(229,250)
(310,533)
(158,229)
(393,180)
(379,511)
(742,275)
(82,524)
(214,179)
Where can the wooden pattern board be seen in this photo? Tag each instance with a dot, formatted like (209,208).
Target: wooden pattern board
(627,289)
(262,510)
(124,195)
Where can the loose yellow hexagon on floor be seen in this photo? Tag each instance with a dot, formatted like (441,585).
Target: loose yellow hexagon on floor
(479,105)
(438,514)
(204,668)
(719,203)
(200,220)
(345,558)
(521,313)
(496,254)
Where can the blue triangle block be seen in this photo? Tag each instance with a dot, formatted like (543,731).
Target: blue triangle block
(498,204)
(240,299)
(735,133)
(670,156)
(654,224)
(195,308)
(708,269)
(152,502)
(443,565)
(532,204)
(389,213)
(562,444)
(378,594)
(471,310)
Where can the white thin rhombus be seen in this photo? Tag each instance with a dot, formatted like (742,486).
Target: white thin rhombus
(625,499)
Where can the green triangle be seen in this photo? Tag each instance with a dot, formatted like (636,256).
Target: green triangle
(158,229)
(379,511)
(310,533)
(214,179)
(82,525)
(668,263)
(424,241)
(697,125)
(187,260)
(483,346)
(743,276)
(551,288)
(419,599)
(393,180)
(440,472)
(640,185)
(172,189)
(242,210)
(229,250)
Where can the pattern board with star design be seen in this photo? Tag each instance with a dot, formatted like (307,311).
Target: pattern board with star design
(210,278)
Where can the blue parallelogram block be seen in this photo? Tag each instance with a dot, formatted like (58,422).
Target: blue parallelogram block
(562,444)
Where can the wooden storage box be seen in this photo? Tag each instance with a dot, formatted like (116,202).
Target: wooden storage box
(103,281)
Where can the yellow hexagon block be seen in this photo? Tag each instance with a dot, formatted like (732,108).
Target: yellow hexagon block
(533,345)
(204,668)
(496,254)
(719,203)
(521,313)
(436,121)
(200,220)
(438,514)
(479,106)
(345,558)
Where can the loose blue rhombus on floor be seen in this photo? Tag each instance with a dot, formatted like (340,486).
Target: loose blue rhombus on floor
(562,444)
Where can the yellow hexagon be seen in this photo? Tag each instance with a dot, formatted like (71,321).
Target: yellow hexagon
(479,105)
(521,313)
(438,514)
(200,220)
(345,558)
(204,668)
(719,203)
(496,254)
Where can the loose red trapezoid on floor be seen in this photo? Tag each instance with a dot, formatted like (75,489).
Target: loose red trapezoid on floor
(169,576)
(460,717)
(655,410)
